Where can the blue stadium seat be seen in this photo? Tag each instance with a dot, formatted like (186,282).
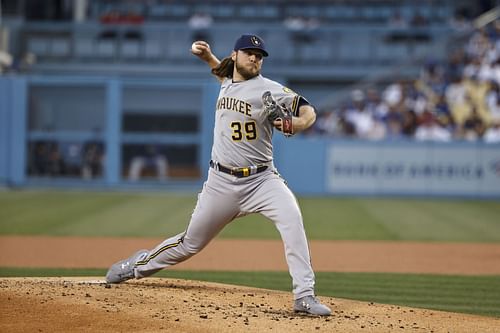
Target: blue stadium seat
(60,47)
(39,46)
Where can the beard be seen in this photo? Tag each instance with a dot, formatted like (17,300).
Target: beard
(247,72)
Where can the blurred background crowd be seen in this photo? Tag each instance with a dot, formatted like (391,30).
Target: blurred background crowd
(455,99)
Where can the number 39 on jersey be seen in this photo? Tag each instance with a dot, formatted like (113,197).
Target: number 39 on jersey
(243,130)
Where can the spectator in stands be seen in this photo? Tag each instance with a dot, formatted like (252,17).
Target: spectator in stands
(39,158)
(393,94)
(152,158)
(443,113)
(492,52)
(409,123)
(327,123)
(494,31)
(418,20)
(46,159)
(6,61)
(25,63)
(454,65)
(492,134)
(416,100)
(133,35)
(14,64)
(496,69)
(132,18)
(493,101)
(441,106)
(111,17)
(473,128)
(375,104)
(93,159)
(397,21)
(472,67)
(200,24)
(460,21)
(430,130)
(478,45)
(116,16)
(394,126)
(431,81)
(346,128)
(457,99)
(476,95)
(303,32)
(363,121)
(296,25)
(71,154)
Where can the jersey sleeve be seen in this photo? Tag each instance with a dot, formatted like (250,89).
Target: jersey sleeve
(289,98)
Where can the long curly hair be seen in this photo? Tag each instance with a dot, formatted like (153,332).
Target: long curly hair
(225,68)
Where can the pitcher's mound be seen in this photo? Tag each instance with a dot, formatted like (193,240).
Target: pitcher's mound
(170,305)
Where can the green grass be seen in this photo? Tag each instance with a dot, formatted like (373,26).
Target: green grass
(467,294)
(70,213)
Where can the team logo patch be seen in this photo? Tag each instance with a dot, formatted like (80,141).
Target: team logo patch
(255,40)
(288,90)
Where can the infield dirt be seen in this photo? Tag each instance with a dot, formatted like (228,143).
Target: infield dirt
(168,305)
(259,255)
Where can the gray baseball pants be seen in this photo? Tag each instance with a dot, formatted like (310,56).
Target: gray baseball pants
(224,198)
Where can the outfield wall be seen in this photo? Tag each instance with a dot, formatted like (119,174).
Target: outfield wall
(71,111)
(406,168)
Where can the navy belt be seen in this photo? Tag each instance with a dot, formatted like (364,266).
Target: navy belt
(238,172)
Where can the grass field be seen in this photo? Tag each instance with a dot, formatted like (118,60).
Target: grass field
(70,213)
(159,214)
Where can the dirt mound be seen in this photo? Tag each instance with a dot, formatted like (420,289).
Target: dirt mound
(170,305)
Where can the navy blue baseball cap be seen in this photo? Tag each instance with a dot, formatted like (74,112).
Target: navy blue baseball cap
(250,42)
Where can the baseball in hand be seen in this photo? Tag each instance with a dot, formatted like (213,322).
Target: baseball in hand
(195,48)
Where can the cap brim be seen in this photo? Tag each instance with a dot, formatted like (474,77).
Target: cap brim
(264,53)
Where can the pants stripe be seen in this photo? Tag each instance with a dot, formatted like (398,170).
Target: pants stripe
(157,253)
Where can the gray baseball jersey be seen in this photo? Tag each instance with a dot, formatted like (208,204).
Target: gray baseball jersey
(242,133)
(242,138)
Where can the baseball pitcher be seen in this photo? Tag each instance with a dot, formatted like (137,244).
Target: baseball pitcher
(242,178)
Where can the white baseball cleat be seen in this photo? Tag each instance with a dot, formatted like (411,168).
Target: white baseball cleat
(123,270)
(311,305)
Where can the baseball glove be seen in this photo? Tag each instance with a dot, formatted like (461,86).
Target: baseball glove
(275,112)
